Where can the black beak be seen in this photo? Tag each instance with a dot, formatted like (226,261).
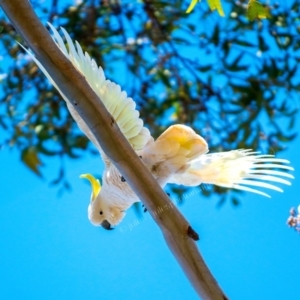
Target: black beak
(106,225)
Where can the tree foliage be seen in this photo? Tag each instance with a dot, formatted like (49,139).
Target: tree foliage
(234,81)
(255,9)
(213,4)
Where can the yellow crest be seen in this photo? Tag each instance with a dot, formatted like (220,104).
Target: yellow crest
(96,186)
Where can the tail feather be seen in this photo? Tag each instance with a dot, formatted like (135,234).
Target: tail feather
(172,152)
(237,169)
(187,139)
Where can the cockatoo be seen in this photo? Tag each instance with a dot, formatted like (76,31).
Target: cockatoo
(178,155)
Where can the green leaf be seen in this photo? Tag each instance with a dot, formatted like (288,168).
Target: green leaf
(30,157)
(216,4)
(256,10)
(192,5)
(213,5)
(1,28)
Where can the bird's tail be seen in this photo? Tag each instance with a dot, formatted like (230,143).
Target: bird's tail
(172,152)
(237,169)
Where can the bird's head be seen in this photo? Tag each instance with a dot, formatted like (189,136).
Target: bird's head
(99,210)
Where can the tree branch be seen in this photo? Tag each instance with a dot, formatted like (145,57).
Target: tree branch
(175,228)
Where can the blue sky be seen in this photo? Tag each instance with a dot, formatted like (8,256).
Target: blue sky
(49,250)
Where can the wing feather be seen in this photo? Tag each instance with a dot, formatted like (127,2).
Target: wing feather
(237,169)
(121,107)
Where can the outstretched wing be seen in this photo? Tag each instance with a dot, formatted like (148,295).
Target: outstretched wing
(237,169)
(121,107)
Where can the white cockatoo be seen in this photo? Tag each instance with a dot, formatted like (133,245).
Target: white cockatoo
(178,156)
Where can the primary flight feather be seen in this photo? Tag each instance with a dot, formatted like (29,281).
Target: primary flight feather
(178,156)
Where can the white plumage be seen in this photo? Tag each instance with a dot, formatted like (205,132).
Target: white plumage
(177,156)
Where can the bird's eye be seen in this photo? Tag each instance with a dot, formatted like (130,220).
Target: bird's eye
(101,212)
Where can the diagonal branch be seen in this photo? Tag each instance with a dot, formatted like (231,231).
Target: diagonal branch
(175,228)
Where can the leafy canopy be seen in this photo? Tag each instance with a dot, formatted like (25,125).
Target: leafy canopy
(213,4)
(255,9)
(236,82)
